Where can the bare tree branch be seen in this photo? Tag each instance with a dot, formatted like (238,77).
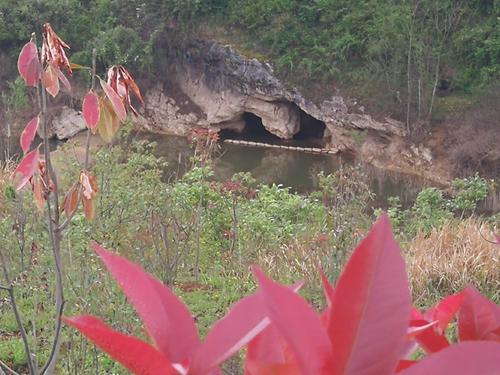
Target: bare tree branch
(19,322)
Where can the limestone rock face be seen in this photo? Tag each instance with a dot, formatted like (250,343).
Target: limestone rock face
(220,85)
(66,124)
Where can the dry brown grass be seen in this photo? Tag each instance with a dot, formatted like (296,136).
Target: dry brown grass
(452,257)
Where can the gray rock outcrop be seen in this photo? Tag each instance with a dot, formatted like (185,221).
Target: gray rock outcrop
(211,85)
(66,124)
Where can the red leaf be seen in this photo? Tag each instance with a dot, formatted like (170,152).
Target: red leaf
(479,318)
(428,339)
(268,353)
(327,288)
(404,364)
(245,321)
(130,83)
(63,79)
(445,311)
(481,358)
(29,65)
(136,355)
(53,49)
(371,306)
(298,324)
(91,110)
(26,168)
(38,192)
(166,318)
(28,133)
(115,100)
(51,81)
(267,347)
(255,367)
(89,191)
(71,200)
(419,326)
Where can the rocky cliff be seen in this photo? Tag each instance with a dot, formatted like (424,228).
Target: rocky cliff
(213,86)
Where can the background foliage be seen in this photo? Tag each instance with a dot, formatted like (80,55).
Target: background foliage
(363,45)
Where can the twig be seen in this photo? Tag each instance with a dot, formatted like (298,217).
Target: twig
(66,222)
(487,240)
(7,368)
(87,146)
(55,343)
(17,315)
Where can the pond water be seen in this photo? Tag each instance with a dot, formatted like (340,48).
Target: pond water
(294,169)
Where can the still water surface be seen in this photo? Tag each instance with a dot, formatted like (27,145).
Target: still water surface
(294,169)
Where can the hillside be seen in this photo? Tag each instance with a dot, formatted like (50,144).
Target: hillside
(434,65)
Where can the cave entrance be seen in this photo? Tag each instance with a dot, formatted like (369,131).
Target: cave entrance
(253,130)
(249,127)
(311,129)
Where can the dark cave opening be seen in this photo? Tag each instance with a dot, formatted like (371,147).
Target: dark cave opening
(311,129)
(254,130)
(310,134)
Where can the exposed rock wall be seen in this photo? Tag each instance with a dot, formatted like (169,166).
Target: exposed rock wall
(212,86)
(222,85)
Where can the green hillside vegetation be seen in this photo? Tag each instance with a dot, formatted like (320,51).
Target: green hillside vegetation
(384,52)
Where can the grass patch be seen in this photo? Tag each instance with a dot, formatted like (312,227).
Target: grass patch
(451,257)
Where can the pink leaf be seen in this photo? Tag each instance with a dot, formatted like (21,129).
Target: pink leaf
(327,288)
(115,100)
(166,318)
(26,168)
(445,311)
(255,367)
(136,355)
(404,364)
(63,79)
(481,358)
(28,133)
(269,354)
(479,318)
(419,326)
(91,110)
(29,65)
(245,321)
(371,306)
(51,81)
(298,324)
(428,339)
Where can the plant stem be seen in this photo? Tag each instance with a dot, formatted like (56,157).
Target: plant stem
(19,322)
(87,146)
(55,236)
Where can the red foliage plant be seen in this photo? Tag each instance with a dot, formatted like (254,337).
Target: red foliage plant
(368,327)
(101,113)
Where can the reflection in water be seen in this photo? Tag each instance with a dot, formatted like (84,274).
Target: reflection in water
(294,169)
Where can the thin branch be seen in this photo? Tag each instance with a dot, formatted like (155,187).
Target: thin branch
(17,315)
(7,368)
(53,224)
(87,146)
(66,222)
(55,343)
(487,240)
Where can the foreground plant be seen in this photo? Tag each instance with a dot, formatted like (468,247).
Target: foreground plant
(368,327)
(103,113)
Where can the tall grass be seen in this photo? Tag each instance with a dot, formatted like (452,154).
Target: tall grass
(453,256)
(6,169)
